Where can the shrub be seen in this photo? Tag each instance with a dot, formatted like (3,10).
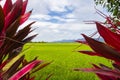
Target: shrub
(13,65)
(109,49)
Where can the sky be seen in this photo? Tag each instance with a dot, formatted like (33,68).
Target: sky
(62,19)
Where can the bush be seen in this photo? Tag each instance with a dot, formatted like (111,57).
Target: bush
(109,49)
(13,65)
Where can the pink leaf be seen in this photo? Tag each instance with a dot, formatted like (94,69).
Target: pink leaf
(25,17)
(13,14)
(24,6)
(7,7)
(24,70)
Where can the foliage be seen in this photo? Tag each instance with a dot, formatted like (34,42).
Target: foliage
(109,49)
(112,6)
(13,65)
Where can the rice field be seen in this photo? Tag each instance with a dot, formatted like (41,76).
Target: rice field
(65,58)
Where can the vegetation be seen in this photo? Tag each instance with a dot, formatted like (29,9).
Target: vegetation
(65,58)
(112,6)
(109,49)
(13,65)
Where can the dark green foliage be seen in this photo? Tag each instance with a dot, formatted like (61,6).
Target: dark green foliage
(112,6)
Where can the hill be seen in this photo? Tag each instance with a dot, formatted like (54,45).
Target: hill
(82,39)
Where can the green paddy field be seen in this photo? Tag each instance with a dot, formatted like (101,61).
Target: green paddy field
(65,58)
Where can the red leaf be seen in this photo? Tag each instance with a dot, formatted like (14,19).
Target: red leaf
(7,7)
(96,66)
(29,38)
(24,6)
(2,33)
(116,66)
(1,20)
(105,67)
(12,70)
(83,42)
(90,53)
(23,32)
(3,64)
(33,78)
(14,13)
(104,77)
(25,17)
(41,66)
(110,37)
(103,49)
(24,70)
(110,73)
(12,29)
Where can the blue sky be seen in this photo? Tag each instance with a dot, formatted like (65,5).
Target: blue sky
(62,19)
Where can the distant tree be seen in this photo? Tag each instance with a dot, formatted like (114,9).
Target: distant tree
(42,42)
(112,6)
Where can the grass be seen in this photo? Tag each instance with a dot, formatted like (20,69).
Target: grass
(65,58)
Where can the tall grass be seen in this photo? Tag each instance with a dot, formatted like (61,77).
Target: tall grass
(65,57)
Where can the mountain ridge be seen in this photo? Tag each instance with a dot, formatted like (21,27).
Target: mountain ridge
(73,40)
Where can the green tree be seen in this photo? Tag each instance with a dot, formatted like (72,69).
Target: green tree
(112,6)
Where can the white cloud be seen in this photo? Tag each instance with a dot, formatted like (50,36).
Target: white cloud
(38,6)
(40,16)
(73,26)
(52,32)
(56,5)
(70,26)
(47,18)
(70,15)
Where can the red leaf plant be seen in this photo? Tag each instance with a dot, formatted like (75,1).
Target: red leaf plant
(13,65)
(109,49)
